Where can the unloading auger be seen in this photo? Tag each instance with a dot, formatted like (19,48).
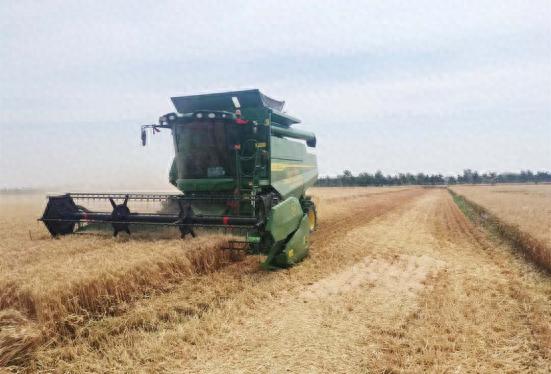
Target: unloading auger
(238,166)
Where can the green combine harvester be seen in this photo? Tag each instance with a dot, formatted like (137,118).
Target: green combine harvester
(238,165)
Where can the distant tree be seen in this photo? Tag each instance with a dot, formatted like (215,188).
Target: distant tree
(476,177)
(489,178)
(365,179)
(451,180)
(421,178)
(347,178)
(379,178)
(468,176)
(542,176)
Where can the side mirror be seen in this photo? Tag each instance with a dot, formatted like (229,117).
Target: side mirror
(144,137)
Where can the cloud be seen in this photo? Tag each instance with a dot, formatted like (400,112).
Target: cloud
(394,72)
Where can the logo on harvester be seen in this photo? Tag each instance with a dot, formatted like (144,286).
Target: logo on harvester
(290,253)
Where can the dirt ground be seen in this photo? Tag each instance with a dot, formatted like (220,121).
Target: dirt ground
(432,293)
(397,281)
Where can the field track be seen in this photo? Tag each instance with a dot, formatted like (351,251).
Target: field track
(397,281)
(431,293)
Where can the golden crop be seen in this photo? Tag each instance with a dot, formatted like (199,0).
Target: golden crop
(396,280)
(527,206)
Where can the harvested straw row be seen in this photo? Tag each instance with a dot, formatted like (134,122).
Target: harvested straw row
(18,337)
(337,195)
(59,311)
(532,248)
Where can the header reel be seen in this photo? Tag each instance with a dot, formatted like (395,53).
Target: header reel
(62,214)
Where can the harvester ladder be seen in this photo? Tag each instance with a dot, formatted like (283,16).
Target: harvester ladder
(248,167)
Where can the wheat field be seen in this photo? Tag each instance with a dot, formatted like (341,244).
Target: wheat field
(519,212)
(527,206)
(397,280)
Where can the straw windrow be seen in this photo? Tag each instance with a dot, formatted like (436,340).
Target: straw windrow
(32,314)
(526,243)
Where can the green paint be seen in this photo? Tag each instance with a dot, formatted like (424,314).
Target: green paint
(284,218)
(297,247)
(216,156)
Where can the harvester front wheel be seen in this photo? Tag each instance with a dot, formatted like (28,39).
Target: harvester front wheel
(312,218)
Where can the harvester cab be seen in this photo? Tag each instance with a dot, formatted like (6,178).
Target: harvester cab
(238,165)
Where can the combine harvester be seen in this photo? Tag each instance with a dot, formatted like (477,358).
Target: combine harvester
(238,167)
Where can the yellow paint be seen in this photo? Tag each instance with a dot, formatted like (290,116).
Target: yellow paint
(311,219)
(297,180)
(280,166)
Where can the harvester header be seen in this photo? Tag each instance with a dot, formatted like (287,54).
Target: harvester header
(237,164)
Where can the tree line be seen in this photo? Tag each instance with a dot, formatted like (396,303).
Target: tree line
(347,179)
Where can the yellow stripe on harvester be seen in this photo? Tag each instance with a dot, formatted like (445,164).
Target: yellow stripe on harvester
(279,166)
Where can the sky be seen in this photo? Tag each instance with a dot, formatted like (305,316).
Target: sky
(424,86)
